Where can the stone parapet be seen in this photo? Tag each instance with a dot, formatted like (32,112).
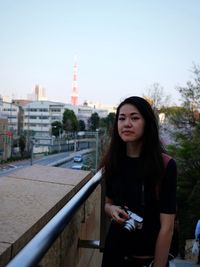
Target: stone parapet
(30,197)
(188,251)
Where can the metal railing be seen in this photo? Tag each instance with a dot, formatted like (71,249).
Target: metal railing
(35,249)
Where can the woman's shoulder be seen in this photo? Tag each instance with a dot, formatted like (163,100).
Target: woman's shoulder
(168,160)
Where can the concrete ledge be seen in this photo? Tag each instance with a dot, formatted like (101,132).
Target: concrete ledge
(188,251)
(29,198)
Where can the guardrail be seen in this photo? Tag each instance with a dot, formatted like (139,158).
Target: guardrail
(35,249)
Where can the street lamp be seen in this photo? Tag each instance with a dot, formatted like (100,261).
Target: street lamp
(97,148)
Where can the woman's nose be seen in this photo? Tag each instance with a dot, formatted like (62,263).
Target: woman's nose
(128,122)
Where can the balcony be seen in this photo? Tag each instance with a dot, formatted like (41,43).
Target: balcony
(31,197)
(44,203)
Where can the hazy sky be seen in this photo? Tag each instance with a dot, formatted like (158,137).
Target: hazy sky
(122,46)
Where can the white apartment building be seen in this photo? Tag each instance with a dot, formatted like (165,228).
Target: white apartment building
(8,127)
(39,115)
(84,112)
(10,112)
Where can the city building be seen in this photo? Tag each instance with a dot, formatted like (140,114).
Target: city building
(101,106)
(34,120)
(8,127)
(10,111)
(38,93)
(5,148)
(84,112)
(39,115)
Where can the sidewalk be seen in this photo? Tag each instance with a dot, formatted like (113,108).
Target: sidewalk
(185,263)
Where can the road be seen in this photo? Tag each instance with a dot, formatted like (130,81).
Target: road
(43,160)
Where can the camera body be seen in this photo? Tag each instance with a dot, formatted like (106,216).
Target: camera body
(134,222)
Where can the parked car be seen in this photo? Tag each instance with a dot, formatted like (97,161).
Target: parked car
(78,158)
(77,166)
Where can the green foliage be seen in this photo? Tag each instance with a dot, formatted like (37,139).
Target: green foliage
(191,92)
(187,155)
(70,122)
(22,144)
(11,159)
(108,122)
(56,128)
(81,125)
(93,122)
(90,161)
(186,151)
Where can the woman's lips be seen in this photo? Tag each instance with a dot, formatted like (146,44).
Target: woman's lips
(127,132)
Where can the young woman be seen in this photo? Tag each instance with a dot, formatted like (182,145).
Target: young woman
(137,180)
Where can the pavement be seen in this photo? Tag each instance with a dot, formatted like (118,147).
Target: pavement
(185,263)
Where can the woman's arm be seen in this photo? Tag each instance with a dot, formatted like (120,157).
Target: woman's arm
(164,239)
(168,206)
(114,212)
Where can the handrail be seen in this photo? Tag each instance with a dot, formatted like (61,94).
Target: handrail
(35,249)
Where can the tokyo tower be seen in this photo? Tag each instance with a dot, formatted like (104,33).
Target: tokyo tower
(74,94)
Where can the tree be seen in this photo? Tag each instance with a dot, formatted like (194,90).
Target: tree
(22,144)
(108,122)
(187,155)
(70,122)
(56,128)
(186,151)
(179,118)
(191,99)
(81,125)
(93,122)
(191,92)
(156,97)
(185,118)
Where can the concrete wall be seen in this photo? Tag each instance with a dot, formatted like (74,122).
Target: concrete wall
(188,251)
(30,197)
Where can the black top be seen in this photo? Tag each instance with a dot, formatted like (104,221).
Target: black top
(140,195)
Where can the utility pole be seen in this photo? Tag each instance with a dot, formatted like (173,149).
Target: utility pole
(75,137)
(32,144)
(59,139)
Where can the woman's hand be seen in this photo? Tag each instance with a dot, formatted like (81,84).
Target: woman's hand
(118,214)
(115,213)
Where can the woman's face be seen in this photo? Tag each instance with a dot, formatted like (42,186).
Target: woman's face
(130,124)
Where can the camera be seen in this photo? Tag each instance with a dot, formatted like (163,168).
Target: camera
(134,221)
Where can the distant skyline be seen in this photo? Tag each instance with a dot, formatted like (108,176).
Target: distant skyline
(122,47)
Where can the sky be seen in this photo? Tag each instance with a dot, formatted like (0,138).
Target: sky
(123,47)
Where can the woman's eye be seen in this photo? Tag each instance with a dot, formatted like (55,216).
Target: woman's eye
(135,118)
(121,118)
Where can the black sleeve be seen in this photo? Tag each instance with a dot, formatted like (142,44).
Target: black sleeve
(168,189)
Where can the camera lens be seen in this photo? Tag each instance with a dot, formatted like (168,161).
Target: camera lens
(129,225)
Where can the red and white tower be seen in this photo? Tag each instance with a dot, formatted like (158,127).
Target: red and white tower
(74,94)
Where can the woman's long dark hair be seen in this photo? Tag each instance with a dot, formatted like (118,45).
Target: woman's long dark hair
(152,149)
